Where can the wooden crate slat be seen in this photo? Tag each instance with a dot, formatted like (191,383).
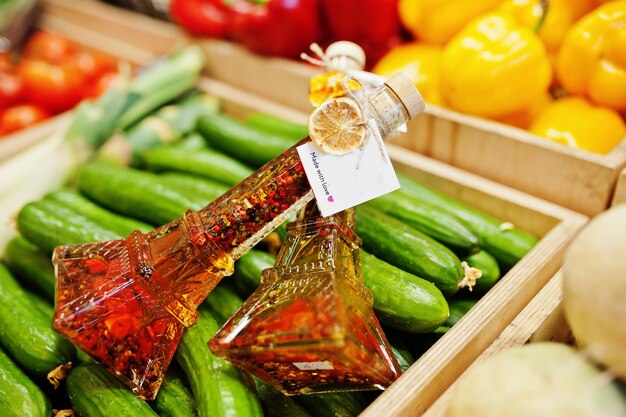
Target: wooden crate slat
(620,189)
(541,320)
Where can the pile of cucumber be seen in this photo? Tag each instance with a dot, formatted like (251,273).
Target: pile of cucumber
(418,245)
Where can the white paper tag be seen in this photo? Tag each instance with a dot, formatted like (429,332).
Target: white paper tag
(343,181)
(313,366)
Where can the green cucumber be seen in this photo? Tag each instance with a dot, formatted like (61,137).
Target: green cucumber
(488,265)
(217,385)
(168,124)
(40,304)
(82,357)
(49,224)
(133,193)
(277,126)
(340,404)
(223,302)
(458,308)
(248,268)
(401,352)
(31,265)
(206,162)
(281,230)
(80,204)
(94,392)
(277,404)
(402,300)
(26,332)
(19,396)
(191,185)
(192,142)
(408,249)
(442,226)
(174,398)
(333,404)
(508,246)
(245,143)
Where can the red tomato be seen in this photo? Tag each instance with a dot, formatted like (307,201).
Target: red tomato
(18,117)
(11,88)
(49,46)
(108,81)
(6,63)
(57,88)
(92,64)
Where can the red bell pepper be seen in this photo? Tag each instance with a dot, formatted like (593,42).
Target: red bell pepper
(201,17)
(276,27)
(373,24)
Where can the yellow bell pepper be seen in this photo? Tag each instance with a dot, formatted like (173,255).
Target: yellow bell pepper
(421,63)
(524,118)
(576,122)
(592,58)
(494,67)
(437,21)
(559,16)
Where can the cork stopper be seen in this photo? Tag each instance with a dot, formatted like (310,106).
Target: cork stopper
(346,56)
(408,94)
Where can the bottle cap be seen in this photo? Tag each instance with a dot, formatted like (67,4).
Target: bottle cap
(408,94)
(352,55)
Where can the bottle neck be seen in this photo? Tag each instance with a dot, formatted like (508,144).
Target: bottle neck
(387,110)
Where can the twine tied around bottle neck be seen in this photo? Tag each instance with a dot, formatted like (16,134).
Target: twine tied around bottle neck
(374,121)
(340,56)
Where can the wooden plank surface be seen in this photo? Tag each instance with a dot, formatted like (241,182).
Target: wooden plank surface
(117,24)
(620,189)
(277,79)
(14,143)
(541,320)
(580,180)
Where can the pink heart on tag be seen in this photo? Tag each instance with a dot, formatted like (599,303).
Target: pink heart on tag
(330,198)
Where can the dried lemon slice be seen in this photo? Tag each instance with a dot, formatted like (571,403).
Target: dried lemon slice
(329,85)
(338,126)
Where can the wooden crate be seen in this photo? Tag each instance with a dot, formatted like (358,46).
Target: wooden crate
(541,320)
(95,25)
(129,37)
(620,189)
(573,178)
(119,32)
(440,366)
(16,142)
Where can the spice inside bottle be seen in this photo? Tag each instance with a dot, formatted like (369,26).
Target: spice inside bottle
(310,327)
(126,302)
